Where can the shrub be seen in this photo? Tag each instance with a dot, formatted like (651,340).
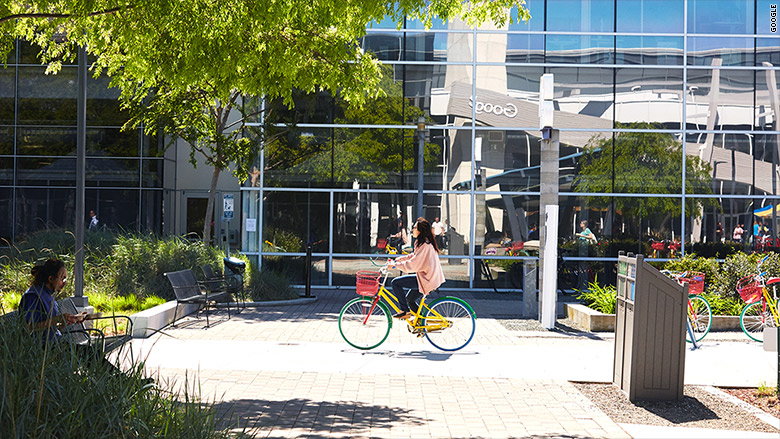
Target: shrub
(724,305)
(283,240)
(47,391)
(600,298)
(270,285)
(718,250)
(740,265)
(691,262)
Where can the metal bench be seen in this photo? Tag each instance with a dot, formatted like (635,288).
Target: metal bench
(189,291)
(83,333)
(232,284)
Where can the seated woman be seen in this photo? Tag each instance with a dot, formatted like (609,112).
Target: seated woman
(40,310)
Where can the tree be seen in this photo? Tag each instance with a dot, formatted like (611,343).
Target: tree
(643,163)
(184,65)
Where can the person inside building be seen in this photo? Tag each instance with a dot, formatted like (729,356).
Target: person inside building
(438,233)
(425,265)
(93,222)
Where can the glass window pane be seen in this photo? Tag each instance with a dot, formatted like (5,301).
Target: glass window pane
(386,46)
(293,219)
(652,96)
(439,46)
(151,211)
(425,87)
(510,162)
(7,94)
(583,97)
(47,99)
(646,16)
(725,17)
(103,103)
(361,219)
(153,173)
(766,119)
(390,109)
(6,140)
(643,163)
(104,172)
(649,50)
(729,159)
(300,158)
(502,219)
(731,51)
(58,141)
(536,23)
(521,48)
(115,209)
(581,15)
(6,212)
(580,49)
(306,108)
(767,51)
(6,171)
(112,142)
(767,17)
(38,209)
(731,91)
(45,171)
(293,268)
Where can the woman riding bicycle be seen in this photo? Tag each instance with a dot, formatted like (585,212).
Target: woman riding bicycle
(424,262)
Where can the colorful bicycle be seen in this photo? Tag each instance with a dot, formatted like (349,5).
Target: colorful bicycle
(699,310)
(448,323)
(383,249)
(761,310)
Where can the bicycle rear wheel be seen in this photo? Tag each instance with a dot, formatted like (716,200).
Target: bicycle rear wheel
(700,316)
(364,325)
(754,318)
(460,318)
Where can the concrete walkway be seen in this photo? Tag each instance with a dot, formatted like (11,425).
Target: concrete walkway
(287,373)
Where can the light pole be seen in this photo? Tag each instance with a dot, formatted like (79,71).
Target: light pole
(420,163)
(548,205)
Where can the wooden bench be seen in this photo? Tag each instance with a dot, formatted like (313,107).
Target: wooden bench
(189,291)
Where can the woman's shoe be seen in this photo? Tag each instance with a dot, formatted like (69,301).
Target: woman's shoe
(403,315)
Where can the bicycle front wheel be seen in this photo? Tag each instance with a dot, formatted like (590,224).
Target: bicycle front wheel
(700,317)
(754,318)
(379,258)
(363,324)
(451,322)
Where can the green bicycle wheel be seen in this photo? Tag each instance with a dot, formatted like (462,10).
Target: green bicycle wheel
(700,317)
(754,318)
(459,314)
(364,325)
(379,258)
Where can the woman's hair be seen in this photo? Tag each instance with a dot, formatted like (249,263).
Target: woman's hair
(426,234)
(42,273)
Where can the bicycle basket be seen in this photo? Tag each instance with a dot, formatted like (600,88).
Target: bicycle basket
(749,289)
(381,244)
(367,282)
(695,282)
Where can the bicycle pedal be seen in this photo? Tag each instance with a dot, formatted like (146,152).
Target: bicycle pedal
(420,334)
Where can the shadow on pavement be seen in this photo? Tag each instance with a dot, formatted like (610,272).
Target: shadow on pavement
(319,418)
(689,409)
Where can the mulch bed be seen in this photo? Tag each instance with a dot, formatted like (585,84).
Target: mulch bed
(697,409)
(769,404)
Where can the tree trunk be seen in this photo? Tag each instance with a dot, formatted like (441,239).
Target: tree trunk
(210,206)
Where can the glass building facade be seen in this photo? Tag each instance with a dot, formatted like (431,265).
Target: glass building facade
(668,118)
(38,154)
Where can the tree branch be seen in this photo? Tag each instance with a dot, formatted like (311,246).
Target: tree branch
(54,15)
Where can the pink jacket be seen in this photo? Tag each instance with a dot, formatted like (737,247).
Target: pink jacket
(425,262)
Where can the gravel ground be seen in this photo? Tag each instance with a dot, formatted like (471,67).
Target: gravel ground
(769,404)
(697,409)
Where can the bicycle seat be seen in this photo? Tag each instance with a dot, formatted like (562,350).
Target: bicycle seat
(773,280)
